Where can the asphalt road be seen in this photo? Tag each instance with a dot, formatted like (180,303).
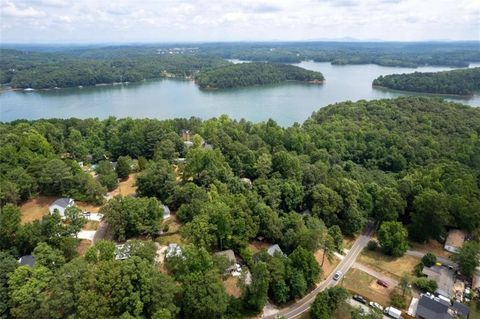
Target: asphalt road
(304,304)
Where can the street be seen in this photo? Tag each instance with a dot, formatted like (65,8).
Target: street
(304,304)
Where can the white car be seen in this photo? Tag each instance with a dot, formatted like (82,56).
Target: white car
(337,275)
(375,305)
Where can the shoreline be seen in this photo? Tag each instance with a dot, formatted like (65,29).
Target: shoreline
(469,96)
(318,82)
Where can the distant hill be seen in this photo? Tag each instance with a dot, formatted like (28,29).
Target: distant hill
(458,82)
(258,73)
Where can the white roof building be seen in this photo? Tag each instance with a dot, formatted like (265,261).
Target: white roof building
(60,205)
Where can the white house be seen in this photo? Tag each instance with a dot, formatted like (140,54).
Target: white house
(60,205)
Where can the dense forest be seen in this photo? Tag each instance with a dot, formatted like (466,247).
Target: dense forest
(411,163)
(22,69)
(256,73)
(69,66)
(459,82)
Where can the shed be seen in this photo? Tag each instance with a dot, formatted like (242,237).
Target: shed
(455,240)
(122,252)
(60,205)
(166,212)
(173,250)
(27,260)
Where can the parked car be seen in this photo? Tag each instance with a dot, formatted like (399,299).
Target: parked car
(375,305)
(382,283)
(359,299)
(337,275)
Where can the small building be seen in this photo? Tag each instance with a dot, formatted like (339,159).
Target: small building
(230,256)
(207,146)
(274,249)
(113,165)
(444,277)
(173,250)
(27,260)
(61,205)
(185,135)
(188,144)
(246,181)
(455,240)
(166,212)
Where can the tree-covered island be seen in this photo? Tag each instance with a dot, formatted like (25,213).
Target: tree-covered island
(455,82)
(258,73)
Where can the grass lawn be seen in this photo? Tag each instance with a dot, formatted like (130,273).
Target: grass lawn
(91,225)
(359,282)
(36,208)
(173,224)
(433,246)
(256,245)
(474,310)
(170,239)
(328,266)
(390,266)
(88,207)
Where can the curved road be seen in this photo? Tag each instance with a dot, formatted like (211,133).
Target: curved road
(304,304)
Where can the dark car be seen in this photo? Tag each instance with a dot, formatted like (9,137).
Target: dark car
(382,283)
(359,299)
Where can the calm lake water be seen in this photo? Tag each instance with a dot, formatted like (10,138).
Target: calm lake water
(286,103)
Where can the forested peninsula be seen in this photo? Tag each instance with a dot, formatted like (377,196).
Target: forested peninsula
(257,73)
(410,163)
(455,82)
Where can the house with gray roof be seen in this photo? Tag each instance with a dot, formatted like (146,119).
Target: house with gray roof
(61,205)
(431,307)
(274,249)
(27,260)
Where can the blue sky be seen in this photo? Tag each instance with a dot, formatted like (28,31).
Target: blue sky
(105,21)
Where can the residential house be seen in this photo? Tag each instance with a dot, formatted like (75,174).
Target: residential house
(230,256)
(274,249)
(166,212)
(61,205)
(122,251)
(27,260)
(431,307)
(173,250)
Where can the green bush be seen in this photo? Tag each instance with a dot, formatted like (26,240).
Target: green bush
(426,285)
(398,301)
(372,245)
(429,259)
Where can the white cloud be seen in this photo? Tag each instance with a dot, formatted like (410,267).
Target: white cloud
(9,9)
(199,20)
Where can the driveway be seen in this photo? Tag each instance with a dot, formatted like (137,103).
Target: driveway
(303,304)
(86,234)
(420,254)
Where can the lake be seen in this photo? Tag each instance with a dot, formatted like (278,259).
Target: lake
(285,103)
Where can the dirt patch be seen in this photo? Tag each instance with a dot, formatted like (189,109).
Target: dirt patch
(36,208)
(432,246)
(126,187)
(328,266)
(257,245)
(390,266)
(86,207)
(231,287)
(170,239)
(83,246)
(359,282)
(91,225)
(173,224)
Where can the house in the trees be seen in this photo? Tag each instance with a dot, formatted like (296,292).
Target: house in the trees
(274,249)
(455,240)
(173,250)
(230,256)
(444,277)
(61,205)
(166,212)
(27,260)
(122,252)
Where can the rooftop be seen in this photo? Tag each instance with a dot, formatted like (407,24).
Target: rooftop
(444,277)
(27,260)
(455,238)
